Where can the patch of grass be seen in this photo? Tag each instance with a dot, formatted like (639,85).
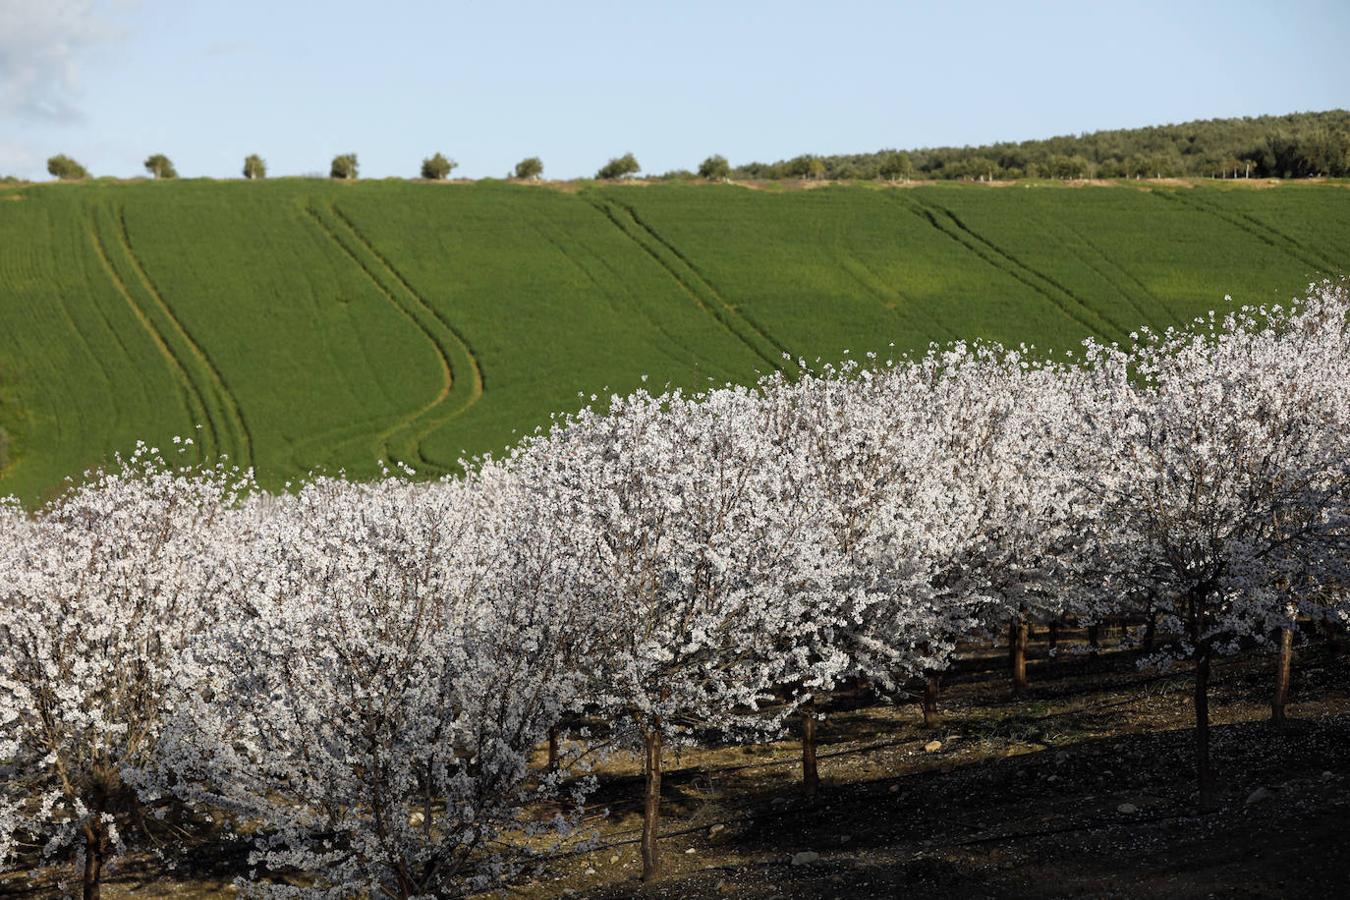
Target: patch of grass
(296,323)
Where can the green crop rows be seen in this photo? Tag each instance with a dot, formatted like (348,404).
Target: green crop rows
(296,325)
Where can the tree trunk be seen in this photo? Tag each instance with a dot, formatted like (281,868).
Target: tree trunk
(651,808)
(1282,667)
(930,699)
(1204,776)
(1054,634)
(1094,637)
(553,749)
(1017,652)
(1150,632)
(810,774)
(1330,632)
(95,846)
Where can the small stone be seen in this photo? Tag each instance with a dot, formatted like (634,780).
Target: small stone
(716,828)
(1052,779)
(845,838)
(614,859)
(894,789)
(1328,776)
(590,871)
(805,858)
(1127,809)
(1260,795)
(932,746)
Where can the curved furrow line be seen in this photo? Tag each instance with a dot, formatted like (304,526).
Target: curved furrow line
(193,401)
(722,314)
(455,349)
(385,439)
(1260,230)
(1069,243)
(371,427)
(927,215)
(479,383)
(242,437)
(572,258)
(1033,272)
(411,430)
(891,297)
(732,309)
(1133,278)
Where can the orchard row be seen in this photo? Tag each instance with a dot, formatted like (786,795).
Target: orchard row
(357,676)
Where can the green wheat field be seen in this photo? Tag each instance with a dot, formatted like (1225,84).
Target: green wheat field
(299,325)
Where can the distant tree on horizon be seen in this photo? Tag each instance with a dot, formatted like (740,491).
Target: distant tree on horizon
(160,166)
(529,168)
(896,165)
(619,167)
(255,167)
(65,168)
(438,167)
(344,167)
(715,168)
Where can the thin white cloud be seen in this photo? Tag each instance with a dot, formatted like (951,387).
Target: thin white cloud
(41,44)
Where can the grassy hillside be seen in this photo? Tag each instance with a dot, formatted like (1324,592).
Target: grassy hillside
(295,324)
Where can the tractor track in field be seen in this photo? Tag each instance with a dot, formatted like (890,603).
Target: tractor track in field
(614,303)
(415,427)
(384,439)
(716,293)
(1132,278)
(193,402)
(693,283)
(456,342)
(1005,262)
(892,298)
(1070,244)
(243,437)
(479,381)
(1262,231)
(97,357)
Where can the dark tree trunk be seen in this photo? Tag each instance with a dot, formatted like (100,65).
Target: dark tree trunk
(810,773)
(1204,776)
(95,848)
(1054,634)
(931,690)
(553,757)
(1332,634)
(1150,632)
(651,807)
(1017,652)
(1282,667)
(1094,637)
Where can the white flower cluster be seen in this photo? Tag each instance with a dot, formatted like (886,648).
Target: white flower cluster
(356,675)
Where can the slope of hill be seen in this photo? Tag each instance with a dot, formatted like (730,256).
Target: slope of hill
(299,324)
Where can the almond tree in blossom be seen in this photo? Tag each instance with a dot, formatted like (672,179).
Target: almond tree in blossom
(1223,466)
(98,595)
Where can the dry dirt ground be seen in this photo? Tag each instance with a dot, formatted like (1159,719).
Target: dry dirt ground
(1081,787)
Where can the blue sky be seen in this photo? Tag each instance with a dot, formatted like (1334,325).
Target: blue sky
(487,83)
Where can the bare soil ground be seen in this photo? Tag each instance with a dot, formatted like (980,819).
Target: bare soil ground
(1083,786)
